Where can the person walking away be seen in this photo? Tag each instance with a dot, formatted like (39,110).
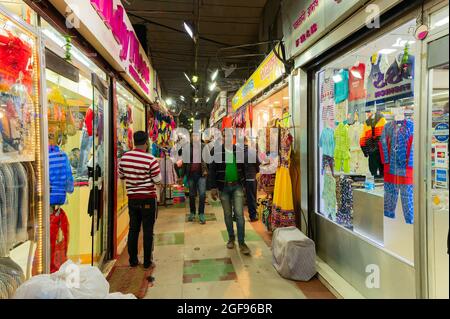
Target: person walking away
(196,172)
(141,172)
(228,177)
(251,169)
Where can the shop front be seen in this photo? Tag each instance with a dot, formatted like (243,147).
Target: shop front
(23,197)
(262,113)
(365,131)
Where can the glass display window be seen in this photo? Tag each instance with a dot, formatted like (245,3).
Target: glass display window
(77,101)
(21,162)
(365,103)
(20,10)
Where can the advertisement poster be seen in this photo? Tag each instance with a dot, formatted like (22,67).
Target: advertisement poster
(441,156)
(441,178)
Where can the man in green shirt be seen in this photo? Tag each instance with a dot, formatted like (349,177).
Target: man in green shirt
(228,176)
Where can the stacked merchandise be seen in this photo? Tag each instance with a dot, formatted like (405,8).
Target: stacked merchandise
(178,195)
(366,133)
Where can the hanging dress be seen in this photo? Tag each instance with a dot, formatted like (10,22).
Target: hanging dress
(283,213)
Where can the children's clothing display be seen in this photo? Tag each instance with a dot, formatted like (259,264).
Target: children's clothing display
(397,155)
(359,164)
(329,195)
(327,143)
(61,179)
(357,90)
(327,99)
(369,142)
(59,239)
(344,196)
(341,112)
(283,214)
(168,173)
(342,148)
(341,90)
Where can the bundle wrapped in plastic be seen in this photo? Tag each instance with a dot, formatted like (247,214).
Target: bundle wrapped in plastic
(71,281)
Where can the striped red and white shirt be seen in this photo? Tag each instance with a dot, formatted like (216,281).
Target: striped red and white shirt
(141,172)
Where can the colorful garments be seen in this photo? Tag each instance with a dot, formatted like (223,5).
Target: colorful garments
(329,196)
(283,213)
(358,162)
(398,157)
(341,110)
(61,179)
(342,149)
(327,100)
(356,82)
(391,198)
(327,161)
(344,194)
(341,87)
(397,152)
(327,142)
(369,142)
(59,239)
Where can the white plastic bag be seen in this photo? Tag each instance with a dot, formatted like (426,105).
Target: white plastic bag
(86,282)
(43,287)
(119,295)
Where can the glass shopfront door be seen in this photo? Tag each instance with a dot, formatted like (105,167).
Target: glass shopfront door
(438,171)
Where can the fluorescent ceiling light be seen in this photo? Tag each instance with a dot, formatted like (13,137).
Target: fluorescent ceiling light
(212,86)
(193,87)
(169,101)
(285,97)
(182,98)
(387,51)
(356,74)
(214,75)
(207,100)
(442,22)
(188,30)
(187,77)
(196,100)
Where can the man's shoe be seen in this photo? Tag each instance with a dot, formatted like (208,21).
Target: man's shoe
(230,244)
(244,249)
(134,265)
(202,219)
(149,266)
(254,219)
(191,217)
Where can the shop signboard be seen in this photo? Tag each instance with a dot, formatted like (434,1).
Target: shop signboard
(105,24)
(220,108)
(270,70)
(307,21)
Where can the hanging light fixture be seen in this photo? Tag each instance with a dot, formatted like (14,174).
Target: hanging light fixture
(194,79)
(214,75)
(189,30)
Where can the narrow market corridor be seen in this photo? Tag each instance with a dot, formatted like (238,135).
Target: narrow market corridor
(192,262)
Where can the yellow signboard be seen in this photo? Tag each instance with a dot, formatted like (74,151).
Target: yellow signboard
(268,72)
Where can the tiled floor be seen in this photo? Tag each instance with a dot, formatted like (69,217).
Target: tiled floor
(192,262)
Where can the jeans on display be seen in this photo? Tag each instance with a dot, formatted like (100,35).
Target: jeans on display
(232,198)
(250,192)
(391,198)
(85,149)
(197,183)
(142,212)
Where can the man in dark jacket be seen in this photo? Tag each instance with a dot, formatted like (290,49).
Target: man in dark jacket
(227,175)
(251,169)
(196,172)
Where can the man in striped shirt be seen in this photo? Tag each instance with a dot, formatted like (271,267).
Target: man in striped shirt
(141,172)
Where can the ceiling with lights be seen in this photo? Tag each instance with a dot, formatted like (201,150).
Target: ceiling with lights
(200,47)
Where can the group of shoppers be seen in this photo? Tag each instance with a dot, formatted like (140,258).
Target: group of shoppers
(225,175)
